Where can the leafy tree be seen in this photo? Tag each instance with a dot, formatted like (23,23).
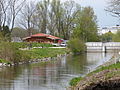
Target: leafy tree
(116,37)
(107,37)
(86,25)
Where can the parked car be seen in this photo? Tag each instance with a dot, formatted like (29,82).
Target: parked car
(63,44)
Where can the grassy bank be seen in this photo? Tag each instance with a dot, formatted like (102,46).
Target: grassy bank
(101,74)
(45,52)
(10,53)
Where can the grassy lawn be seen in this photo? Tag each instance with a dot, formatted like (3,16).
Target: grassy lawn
(45,52)
(26,44)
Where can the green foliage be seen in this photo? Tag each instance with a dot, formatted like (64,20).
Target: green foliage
(11,53)
(2,38)
(76,45)
(86,25)
(74,81)
(107,37)
(6,33)
(116,37)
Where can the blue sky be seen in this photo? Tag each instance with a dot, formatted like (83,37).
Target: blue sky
(104,18)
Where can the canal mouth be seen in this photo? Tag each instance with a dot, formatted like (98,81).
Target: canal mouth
(107,85)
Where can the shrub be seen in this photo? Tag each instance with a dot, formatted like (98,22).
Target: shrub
(76,45)
(11,53)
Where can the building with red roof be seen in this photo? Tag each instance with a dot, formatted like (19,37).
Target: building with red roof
(43,38)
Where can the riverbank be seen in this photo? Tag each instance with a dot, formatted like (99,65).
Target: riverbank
(105,77)
(37,55)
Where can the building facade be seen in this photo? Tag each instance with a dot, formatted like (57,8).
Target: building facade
(43,38)
(112,29)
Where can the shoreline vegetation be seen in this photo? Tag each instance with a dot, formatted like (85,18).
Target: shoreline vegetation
(29,55)
(105,77)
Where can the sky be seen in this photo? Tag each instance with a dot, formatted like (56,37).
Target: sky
(104,18)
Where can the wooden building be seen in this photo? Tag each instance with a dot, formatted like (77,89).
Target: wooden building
(43,38)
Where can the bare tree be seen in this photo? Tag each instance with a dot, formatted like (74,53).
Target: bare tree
(26,16)
(42,14)
(69,16)
(4,5)
(114,8)
(15,7)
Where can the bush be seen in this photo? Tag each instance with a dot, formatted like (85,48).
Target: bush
(76,45)
(74,81)
(11,53)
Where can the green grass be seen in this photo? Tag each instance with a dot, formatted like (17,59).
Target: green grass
(113,66)
(41,45)
(26,44)
(45,52)
(74,81)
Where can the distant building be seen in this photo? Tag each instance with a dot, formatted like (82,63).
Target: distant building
(112,29)
(43,38)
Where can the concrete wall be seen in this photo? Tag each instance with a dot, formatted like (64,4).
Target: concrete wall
(102,47)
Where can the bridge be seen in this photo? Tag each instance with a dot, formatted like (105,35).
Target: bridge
(103,47)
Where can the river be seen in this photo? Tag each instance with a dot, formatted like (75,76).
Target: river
(54,75)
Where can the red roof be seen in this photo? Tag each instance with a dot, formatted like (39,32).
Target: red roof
(53,37)
(43,35)
(40,35)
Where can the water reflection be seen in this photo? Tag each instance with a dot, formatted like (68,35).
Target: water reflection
(54,75)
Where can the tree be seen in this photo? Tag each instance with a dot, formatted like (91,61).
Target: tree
(4,5)
(116,37)
(22,33)
(26,16)
(107,37)
(15,7)
(42,13)
(9,10)
(55,14)
(114,8)
(70,7)
(86,25)
(6,33)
